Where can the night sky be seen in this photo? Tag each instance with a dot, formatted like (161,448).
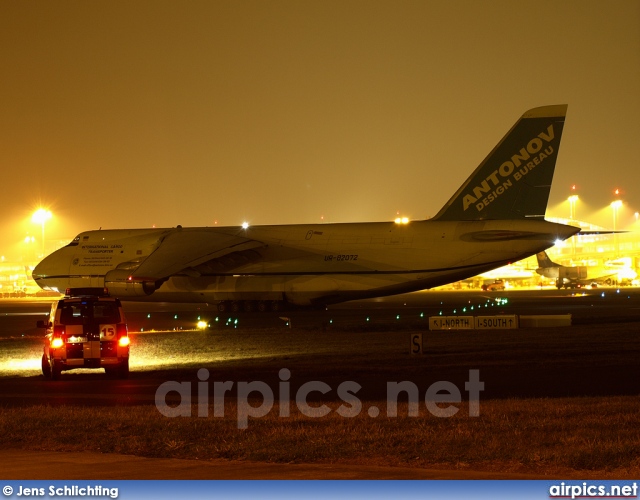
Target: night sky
(131,114)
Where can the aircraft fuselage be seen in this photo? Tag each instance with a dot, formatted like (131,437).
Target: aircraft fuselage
(305,264)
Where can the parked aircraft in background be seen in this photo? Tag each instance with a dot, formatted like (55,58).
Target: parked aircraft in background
(495,217)
(509,275)
(16,281)
(625,272)
(616,271)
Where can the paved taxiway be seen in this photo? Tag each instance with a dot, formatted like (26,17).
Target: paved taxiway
(607,303)
(18,464)
(362,341)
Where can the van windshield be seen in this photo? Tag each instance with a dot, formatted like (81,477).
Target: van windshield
(98,312)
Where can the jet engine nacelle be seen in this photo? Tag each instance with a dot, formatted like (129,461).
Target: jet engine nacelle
(120,284)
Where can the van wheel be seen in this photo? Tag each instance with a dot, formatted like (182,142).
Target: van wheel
(123,369)
(46,367)
(56,370)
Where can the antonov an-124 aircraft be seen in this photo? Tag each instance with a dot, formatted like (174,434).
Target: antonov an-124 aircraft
(496,217)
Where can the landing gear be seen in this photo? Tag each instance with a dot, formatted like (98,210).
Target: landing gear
(251,305)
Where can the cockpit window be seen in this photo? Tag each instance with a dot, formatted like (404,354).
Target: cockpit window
(75,242)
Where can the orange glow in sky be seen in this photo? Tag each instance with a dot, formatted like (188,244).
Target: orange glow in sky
(128,114)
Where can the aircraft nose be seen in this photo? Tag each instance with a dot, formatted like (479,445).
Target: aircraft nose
(40,271)
(49,269)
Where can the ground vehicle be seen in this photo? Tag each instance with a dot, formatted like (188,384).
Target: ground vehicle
(86,329)
(496,286)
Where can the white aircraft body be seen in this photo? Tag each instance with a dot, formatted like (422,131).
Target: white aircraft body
(509,272)
(496,217)
(623,269)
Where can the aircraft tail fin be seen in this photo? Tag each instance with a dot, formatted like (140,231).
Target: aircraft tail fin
(514,180)
(544,261)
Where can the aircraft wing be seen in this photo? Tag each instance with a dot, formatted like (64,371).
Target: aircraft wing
(601,278)
(183,250)
(597,232)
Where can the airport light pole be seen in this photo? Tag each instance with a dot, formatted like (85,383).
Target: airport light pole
(41,216)
(615,206)
(31,252)
(573,199)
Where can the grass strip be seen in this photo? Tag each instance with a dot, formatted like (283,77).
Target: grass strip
(594,437)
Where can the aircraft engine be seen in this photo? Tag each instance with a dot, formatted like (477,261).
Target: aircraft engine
(120,285)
